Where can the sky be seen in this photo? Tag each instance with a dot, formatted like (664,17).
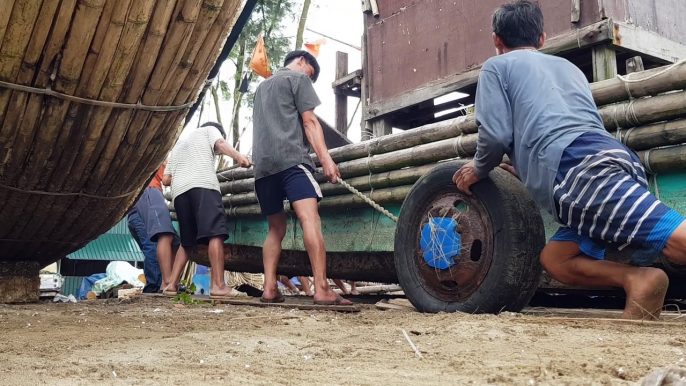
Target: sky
(340,19)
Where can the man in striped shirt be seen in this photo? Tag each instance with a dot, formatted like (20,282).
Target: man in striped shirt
(539,110)
(197,199)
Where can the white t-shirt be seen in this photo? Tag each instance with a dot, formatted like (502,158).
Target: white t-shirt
(192,164)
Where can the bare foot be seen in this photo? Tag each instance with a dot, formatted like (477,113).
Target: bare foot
(324,296)
(645,294)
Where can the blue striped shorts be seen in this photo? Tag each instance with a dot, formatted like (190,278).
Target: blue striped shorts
(602,198)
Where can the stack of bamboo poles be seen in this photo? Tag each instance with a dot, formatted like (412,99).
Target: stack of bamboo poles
(649,116)
(92,97)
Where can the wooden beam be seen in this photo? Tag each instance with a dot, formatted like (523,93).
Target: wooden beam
(365,130)
(381,127)
(354,79)
(366,6)
(583,37)
(341,100)
(375,8)
(576,11)
(604,63)
(634,64)
(649,44)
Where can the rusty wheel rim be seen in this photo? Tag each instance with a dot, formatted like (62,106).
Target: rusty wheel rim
(472,263)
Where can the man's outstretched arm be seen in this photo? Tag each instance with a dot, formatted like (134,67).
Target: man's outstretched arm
(315,135)
(222,146)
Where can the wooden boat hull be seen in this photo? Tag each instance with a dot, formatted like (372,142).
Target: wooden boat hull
(92,99)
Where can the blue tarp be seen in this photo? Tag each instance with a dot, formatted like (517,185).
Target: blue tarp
(87,284)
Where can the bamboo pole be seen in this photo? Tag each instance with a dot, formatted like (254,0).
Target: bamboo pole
(134,87)
(181,22)
(145,124)
(658,160)
(6,7)
(15,111)
(615,90)
(640,138)
(654,135)
(122,45)
(155,143)
(363,183)
(90,88)
(195,79)
(78,115)
(208,14)
(37,143)
(52,124)
(14,46)
(24,123)
(644,111)
(101,32)
(194,82)
(381,196)
(626,114)
(43,160)
(665,159)
(386,144)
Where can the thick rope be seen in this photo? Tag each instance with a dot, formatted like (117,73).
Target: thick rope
(626,79)
(368,200)
(61,194)
(72,98)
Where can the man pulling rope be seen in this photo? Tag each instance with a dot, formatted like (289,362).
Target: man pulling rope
(284,128)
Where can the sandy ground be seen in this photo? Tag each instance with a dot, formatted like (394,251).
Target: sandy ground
(150,341)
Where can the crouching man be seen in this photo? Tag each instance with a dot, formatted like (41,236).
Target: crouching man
(539,110)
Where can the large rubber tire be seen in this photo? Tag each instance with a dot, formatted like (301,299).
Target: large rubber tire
(518,238)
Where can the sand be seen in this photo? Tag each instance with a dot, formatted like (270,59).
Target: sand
(151,341)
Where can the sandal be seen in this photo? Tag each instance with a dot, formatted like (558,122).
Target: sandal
(231,295)
(278,299)
(337,302)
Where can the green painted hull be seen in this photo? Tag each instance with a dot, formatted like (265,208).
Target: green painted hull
(352,230)
(366,230)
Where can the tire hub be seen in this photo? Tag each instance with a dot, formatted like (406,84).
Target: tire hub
(454,246)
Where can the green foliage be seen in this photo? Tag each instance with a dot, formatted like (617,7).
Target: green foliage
(270,17)
(225,90)
(185,297)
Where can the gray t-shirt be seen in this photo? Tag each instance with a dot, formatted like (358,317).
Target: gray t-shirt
(531,106)
(279,140)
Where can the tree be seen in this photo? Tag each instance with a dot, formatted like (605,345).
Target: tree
(301,24)
(269,17)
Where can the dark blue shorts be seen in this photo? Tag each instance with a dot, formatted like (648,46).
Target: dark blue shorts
(295,184)
(602,198)
(153,209)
